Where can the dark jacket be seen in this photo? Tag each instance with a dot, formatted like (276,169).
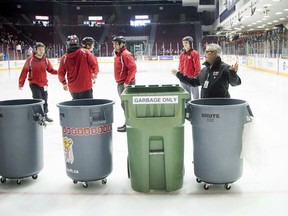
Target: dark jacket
(219,76)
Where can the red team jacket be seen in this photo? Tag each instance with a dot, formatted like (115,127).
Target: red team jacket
(189,63)
(78,67)
(124,67)
(36,70)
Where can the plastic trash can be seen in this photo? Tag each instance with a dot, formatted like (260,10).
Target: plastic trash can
(155,134)
(21,139)
(217,127)
(87,138)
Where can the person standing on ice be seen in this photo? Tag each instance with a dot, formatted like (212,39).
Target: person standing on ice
(88,43)
(36,66)
(189,65)
(124,68)
(215,77)
(77,70)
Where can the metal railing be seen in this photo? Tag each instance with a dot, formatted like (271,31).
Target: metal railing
(269,49)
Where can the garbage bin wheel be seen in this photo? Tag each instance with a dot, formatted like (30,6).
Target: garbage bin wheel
(207,186)
(104,181)
(85,184)
(34,177)
(19,181)
(128,167)
(75,182)
(227,186)
(198,180)
(3,180)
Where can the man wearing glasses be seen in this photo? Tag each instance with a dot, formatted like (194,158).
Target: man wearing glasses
(215,77)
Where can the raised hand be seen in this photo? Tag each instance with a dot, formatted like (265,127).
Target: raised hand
(234,67)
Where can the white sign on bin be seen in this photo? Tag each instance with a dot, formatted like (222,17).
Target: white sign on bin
(155,100)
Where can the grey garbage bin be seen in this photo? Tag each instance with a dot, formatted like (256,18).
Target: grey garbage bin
(217,126)
(87,138)
(21,139)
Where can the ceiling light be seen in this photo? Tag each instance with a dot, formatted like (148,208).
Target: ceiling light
(249,25)
(282,19)
(251,29)
(267,5)
(254,23)
(286,9)
(275,21)
(278,13)
(266,29)
(259,21)
(259,9)
(269,23)
(264,19)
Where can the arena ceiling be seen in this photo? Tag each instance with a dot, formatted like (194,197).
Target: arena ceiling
(102,2)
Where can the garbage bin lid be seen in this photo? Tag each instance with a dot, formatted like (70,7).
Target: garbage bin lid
(20,103)
(85,103)
(217,102)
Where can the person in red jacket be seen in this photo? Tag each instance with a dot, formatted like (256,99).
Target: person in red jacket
(88,43)
(36,66)
(77,70)
(124,68)
(189,65)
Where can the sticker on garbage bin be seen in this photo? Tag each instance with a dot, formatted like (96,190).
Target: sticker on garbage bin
(155,100)
(68,150)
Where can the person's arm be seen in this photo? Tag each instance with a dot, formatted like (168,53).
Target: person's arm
(93,62)
(23,74)
(197,64)
(233,78)
(62,74)
(181,63)
(187,80)
(132,68)
(50,68)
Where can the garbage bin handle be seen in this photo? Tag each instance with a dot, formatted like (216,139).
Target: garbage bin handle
(250,114)
(98,118)
(187,112)
(38,115)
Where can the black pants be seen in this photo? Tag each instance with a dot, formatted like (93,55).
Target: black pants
(39,92)
(120,89)
(82,95)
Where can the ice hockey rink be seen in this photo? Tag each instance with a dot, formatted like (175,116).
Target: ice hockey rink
(261,191)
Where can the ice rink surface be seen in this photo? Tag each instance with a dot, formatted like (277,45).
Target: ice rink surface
(262,190)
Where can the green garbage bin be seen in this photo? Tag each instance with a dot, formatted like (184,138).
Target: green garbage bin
(155,117)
